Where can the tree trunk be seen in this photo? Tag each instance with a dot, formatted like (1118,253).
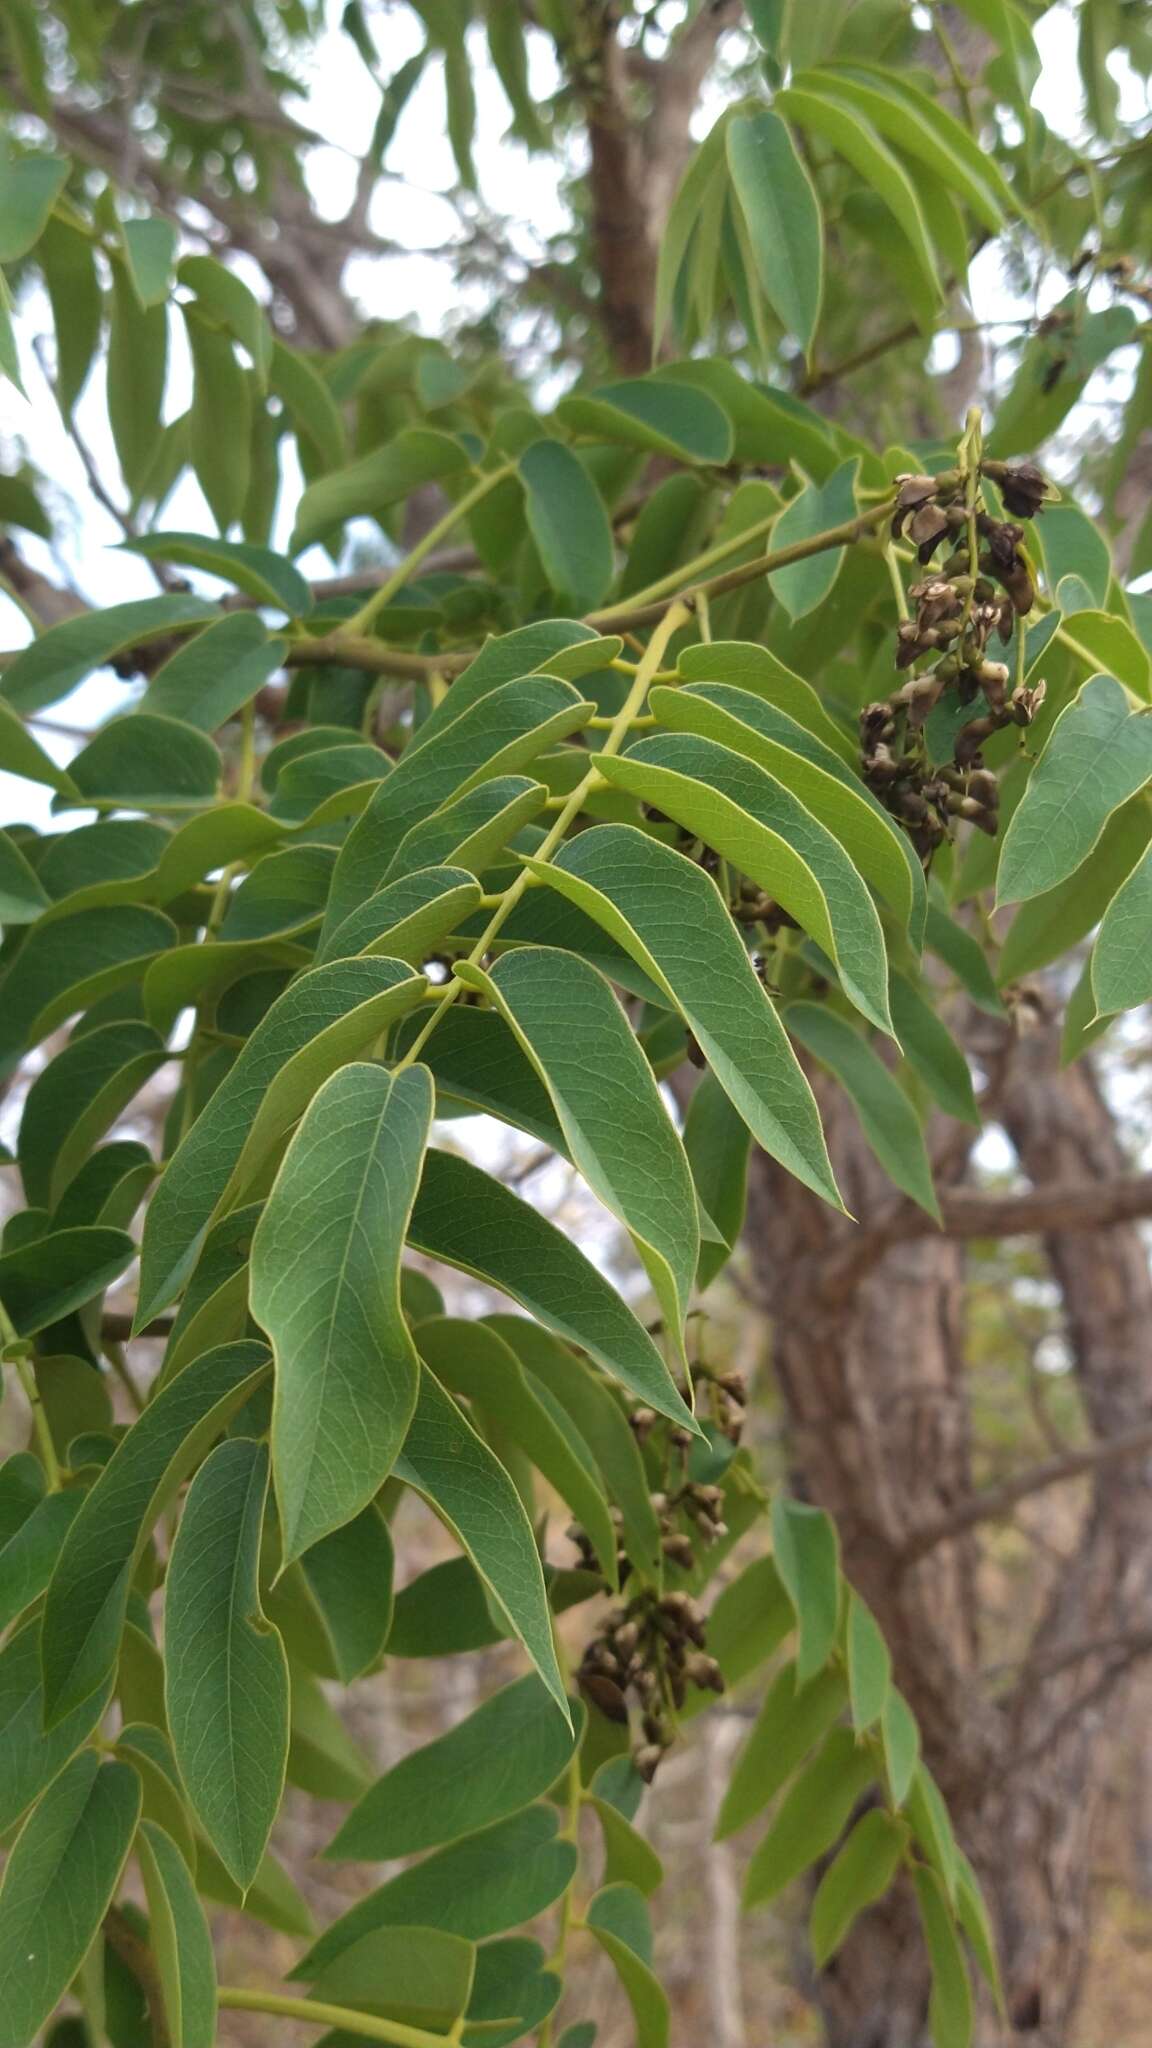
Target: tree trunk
(869,1356)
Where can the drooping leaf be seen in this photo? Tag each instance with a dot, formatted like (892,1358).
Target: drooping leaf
(326,1288)
(269,578)
(652,412)
(467,1486)
(47,1278)
(21,896)
(807,1556)
(31,1755)
(1122,956)
(617,1130)
(417,1976)
(69,962)
(869,1665)
(324,1018)
(57,1886)
(717,1142)
(149,250)
(791,1721)
(87,1598)
(782,214)
(859,1875)
(418,455)
(508,1752)
(817,508)
(950,2014)
(1098,755)
(408,918)
(63,655)
(810,1817)
(617,1918)
(180,1940)
(666,913)
(349,1574)
(226,1688)
(30,184)
(75,1099)
(206,682)
(887,1117)
(469,1220)
(568,522)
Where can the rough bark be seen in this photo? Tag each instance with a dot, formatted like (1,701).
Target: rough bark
(869,1355)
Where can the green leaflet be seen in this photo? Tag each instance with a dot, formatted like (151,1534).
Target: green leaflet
(717,1142)
(76,1097)
(470,1220)
(206,682)
(502,731)
(415,1975)
(568,522)
(814,772)
(445,1460)
(1050,925)
(869,1665)
(931,1051)
(57,1887)
(834,118)
(801,586)
(68,963)
(512,1986)
(324,1018)
(416,456)
(557,647)
(477,1061)
(474,829)
(326,1287)
(888,1119)
(69,270)
(180,1940)
(1098,755)
(901,1738)
(269,578)
(149,251)
(860,1873)
(488,1882)
(756,671)
(145,763)
(807,1555)
(408,918)
(752,819)
(226,1689)
(923,129)
(22,897)
(508,1752)
(668,915)
(30,185)
(617,1918)
(653,413)
(28,1553)
(21,755)
(349,1575)
(47,1278)
(87,1597)
(1122,957)
(65,654)
(810,1817)
(791,1721)
(31,1755)
(782,214)
(617,1130)
(472,1359)
(950,2010)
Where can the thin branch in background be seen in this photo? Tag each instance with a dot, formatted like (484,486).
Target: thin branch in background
(103,496)
(995,1501)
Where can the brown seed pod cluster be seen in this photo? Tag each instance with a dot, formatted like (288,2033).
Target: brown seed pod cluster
(639,1666)
(976,599)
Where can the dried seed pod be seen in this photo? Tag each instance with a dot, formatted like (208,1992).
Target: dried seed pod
(605,1695)
(678,1550)
(1023,487)
(647,1760)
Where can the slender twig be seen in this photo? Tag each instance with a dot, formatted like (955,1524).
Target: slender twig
(313,2012)
(136,1955)
(365,618)
(995,1501)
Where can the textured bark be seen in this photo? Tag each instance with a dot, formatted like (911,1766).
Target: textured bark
(869,1354)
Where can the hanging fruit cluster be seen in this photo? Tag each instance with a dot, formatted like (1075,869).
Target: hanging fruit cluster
(976,599)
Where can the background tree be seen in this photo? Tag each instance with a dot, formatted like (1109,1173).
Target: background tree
(819,248)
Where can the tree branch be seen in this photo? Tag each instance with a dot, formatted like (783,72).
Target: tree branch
(995,1501)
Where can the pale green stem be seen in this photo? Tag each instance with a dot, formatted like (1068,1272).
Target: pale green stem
(677,616)
(898,590)
(40,1424)
(366,617)
(314,2013)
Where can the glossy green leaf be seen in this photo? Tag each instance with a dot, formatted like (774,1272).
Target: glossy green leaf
(816,508)
(1050,925)
(752,819)
(500,732)
(473,830)
(972,1913)
(415,1975)
(931,1051)
(1122,957)
(617,1918)
(854,138)
(446,1462)
(30,184)
(67,262)
(810,1817)
(206,682)
(408,918)
(869,1665)
(668,915)
(568,522)
(472,1359)
(21,896)
(782,215)
(136,371)
(901,1739)
(271,579)
(617,1130)
(226,1688)
(947,938)
(416,456)
(314,412)
(887,1117)
(76,1098)
(326,1288)
(143,762)
(813,771)
(69,962)
(717,1142)
(63,655)
(324,1018)
(87,1598)
(42,1281)
(21,755)
(472,1221)
(508,1752)
(488,1882)
(1098,755)
(28,1552)
(651,412)
(32,1755)
(57,1886)
(924,130)
(149,251)
(807,1555)
(791,1721)
(859,1874)
(950,2015)
(220,420)
(350,1577)
(180,1940)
